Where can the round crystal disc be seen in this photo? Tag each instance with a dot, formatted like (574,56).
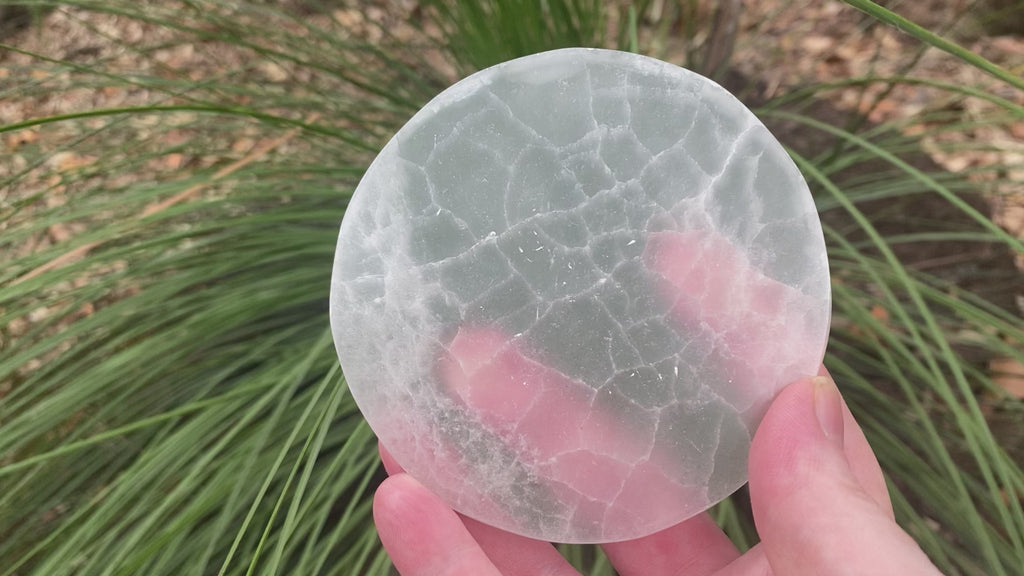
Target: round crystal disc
(566,291)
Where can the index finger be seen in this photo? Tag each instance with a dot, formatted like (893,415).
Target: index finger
(512,555)
(422,535)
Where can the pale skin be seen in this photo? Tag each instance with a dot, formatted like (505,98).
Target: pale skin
(819,500)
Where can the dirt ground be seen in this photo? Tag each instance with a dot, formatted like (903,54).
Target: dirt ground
(814,42)
(782,44)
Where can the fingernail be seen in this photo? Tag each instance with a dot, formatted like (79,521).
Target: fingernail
(828,407)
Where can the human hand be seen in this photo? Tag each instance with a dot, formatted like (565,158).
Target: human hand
(819,500)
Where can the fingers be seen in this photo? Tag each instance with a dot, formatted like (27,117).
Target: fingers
(861,458)
(706,279)
(578,443)
(753,563)
(512,555)
(423,536)
(390,464)
(695,547)
(863,463)
(518,556)
(815,492)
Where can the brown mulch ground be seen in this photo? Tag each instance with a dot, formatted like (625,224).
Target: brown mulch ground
(817,42)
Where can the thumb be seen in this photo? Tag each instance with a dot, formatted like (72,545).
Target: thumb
(812,513)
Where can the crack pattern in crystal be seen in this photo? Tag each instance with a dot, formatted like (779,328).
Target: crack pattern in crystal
(566,291)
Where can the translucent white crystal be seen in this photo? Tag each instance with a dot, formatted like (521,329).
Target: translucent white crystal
(566,291)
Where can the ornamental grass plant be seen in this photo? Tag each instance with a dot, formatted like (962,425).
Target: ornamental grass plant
(172,178)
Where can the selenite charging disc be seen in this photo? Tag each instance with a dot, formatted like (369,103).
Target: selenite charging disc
(567,290)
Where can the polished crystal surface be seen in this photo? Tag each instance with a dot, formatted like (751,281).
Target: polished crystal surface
(566,291)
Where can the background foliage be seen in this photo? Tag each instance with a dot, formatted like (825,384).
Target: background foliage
(170,401)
